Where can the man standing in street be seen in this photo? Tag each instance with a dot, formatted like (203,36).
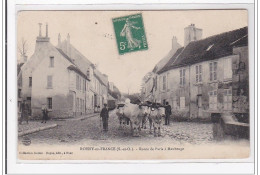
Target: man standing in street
(24,112)
(44,113)
(168,113)
(104,115)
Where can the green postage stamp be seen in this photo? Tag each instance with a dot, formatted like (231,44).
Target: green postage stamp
(130,34)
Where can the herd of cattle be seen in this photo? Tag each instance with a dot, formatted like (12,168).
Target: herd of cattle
(138,114)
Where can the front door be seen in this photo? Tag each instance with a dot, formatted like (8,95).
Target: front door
(200,106)
(29,101)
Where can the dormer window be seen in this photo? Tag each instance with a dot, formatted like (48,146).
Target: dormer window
(210,47)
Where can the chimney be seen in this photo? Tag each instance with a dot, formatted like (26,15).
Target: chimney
(191,33)
(59,41)
(46,30)
(68,38)
(68,45)
(40,29)
(175,44)
(40,38)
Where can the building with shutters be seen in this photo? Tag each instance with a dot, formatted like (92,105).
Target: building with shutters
(200,77)
(61,78)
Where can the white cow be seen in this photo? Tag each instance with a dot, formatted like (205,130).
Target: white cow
(155,119)
(135,114)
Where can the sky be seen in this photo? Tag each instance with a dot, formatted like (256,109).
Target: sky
(92,33)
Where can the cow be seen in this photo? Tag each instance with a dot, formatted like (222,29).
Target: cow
(135,114)
(120,113)
(145,117)
(157,112)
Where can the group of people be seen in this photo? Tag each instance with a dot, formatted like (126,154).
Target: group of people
(26,112)
(104,115)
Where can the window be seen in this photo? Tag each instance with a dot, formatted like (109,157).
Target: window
(213,103)
(198,73)
(20,81)
(77,82)
(182,77)
(19,93)
(213,71)
(77,104)
(227,68)
(30,81)
(49,81)
(164,82)
(84,85)
(49,103)
(84,106)
(182,102)
(174,104)
(227,99)
(51,61)
(155,83)
(80,105)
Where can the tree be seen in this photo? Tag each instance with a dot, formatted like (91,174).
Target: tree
(22,47)
(22,50)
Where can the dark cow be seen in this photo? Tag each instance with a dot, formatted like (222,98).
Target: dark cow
(157,112)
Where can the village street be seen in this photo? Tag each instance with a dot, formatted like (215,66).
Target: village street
(89,129)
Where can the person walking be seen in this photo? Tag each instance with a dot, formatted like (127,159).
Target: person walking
(24,112)
(44,114)
(104,115)
(168,113)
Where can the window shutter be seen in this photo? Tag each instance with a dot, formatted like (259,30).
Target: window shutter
(49,81)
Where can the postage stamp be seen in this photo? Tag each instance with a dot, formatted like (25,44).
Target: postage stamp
(130,33)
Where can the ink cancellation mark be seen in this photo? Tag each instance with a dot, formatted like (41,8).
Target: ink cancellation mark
(130,33)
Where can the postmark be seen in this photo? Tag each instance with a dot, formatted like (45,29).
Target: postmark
(130,33)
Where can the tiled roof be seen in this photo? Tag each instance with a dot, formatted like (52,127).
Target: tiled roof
(210,48)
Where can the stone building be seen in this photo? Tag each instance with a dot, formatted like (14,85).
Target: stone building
(61,78)
(98,87)
(199,78)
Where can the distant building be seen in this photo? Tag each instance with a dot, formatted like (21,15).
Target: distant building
(61,78)
(200,77)
(111,86)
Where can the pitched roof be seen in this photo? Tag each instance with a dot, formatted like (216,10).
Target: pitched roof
(210,48)
(166,58)
(72,67)
(76,69)
(65,55)
(82,62)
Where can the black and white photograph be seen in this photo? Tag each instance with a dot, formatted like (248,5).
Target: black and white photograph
(185,96)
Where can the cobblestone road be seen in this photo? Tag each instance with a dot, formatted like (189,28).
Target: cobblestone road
(89,130)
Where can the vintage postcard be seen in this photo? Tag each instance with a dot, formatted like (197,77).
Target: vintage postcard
(133,85)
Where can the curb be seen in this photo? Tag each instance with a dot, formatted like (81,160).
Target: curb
(83,118)
(36,130)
